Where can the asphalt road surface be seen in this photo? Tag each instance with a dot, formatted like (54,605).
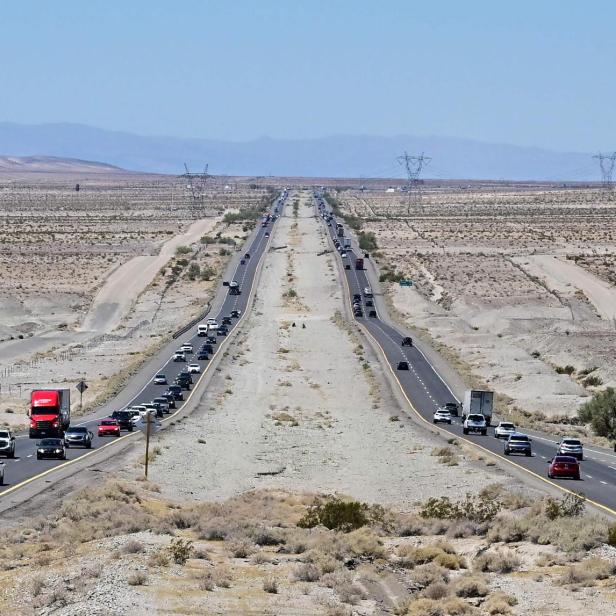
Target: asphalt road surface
(426,391)
(25,465)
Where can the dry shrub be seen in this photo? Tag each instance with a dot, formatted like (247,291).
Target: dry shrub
(439,553)
(132,546)
(206,582)
(180,550)
(222,577)
(436,607)
(497,561)
(268,536)
(306,572)
(588,572)
(436,591)
(424,575)
(37,584)
(499,603)
(412,525)
(241,549)
(510,499)
(137,578)
(365,543)
(159,558)
(470,586)
(260,558)
(270,584)
(200,554)
(465,528)
(341,581)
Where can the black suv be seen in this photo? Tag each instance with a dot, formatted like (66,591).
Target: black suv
(170,398)
(223,330)
(183,380)
(207,348)
(124,418)
(176,391)
(226,320)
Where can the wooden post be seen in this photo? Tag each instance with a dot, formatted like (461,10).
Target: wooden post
(147,442)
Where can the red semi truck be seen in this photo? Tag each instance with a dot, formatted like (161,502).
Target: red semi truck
(359,264)
(50,412)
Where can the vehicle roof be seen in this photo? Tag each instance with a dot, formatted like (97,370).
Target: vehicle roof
(575,441)
(506,423)
(569,459)
(109,422)
(76,429)
(476,415)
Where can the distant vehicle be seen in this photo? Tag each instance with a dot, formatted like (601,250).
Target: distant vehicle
(124,419)
(518,443)
(475,423)
(226,320)
(154,408)
(234,288)
(247,255)
(223,330)
(564,466)
(346,242)
(202,329)
(177,392)
(109,427)
(358,312)
(162,403)
(347,266)
(243,262)
(359,264)
(179,356)
(571,447)
(135,415)
(167,395)
(477,401)
(368,292)
(212,324)
(356,297)
(235,314)
(452,407)
(7,443)
(208,348)
(202,356)
(403,365)
(78,435)
(369,302)
(194,368)
(441,415)
(140,408)
(372,313)
(343,254)
(267,234)
(51,448)
(160,379)
(50,412)
(504,429)
(212,340)
(187,348)
(183,382)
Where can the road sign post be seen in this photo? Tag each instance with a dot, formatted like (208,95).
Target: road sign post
(147,442)
(81,387)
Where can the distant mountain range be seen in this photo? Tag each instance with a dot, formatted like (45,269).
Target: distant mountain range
(53,164)
(335,156)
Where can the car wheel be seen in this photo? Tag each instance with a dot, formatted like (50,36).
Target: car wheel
(449,422)
(12,453)
(577,477)
(130,429)
(464,431)
(89,445)
(506,452)
(550,476)
(38,457)
(434,421)
(528,454)
(484,432)
(64,456)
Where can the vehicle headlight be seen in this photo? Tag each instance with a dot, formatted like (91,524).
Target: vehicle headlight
(58,451)
(41,451)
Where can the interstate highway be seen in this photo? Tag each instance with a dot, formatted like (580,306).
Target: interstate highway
(25,467)
(425,390)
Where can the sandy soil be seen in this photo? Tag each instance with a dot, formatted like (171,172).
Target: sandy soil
(296,408)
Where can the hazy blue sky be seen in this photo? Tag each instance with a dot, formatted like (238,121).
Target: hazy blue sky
(526,72)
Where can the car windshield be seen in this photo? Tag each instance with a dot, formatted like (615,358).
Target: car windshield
(475,417)
(51,442)
(108,422)
(76,430)
(565,459)
(4,434)
(160,376)
(517,437)
(443,411)
(569,441)
(507,426)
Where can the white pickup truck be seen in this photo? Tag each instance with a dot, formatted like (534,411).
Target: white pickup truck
(475,423)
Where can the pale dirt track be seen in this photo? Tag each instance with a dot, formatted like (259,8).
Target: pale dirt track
(296,409)
(115,298)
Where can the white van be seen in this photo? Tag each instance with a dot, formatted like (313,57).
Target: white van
(367,292)
(202,329)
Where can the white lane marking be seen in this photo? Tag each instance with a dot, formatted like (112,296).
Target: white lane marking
(29,455)
(603,482)
(589,476)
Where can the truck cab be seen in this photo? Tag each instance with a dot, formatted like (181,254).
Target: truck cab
(50,412)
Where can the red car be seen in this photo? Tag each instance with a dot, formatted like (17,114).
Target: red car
(564,466)
(109,427)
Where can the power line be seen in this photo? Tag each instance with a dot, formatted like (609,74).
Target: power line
(196,183)
(606,163)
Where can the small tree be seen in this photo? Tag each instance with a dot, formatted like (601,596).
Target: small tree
(600,413)
(193,271)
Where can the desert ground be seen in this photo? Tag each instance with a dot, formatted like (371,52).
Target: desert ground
(515,282)
(96,280)
(299,486)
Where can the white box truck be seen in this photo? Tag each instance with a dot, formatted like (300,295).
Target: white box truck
(346,243)
(478,401)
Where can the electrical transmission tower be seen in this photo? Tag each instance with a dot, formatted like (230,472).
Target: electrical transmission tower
(414,166)
(196,183)
(607,162)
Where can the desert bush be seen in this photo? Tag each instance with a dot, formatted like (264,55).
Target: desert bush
(241,548)
(592,381)
(306,572)
(337,514)
(341,581)
(600,413)
(424,575)
(160,558)
(132,547)
(137,578)
(180,550)
(611,536)
(470,586)
(440,554)
(37,584)
(475,508)
(367,241)
(206,582)
(268,536)
(436,591)
(446,456)
(499,603)
(570,505)
(183,250)
(365,543)
(568,369)
(270,584)
(430,607)
(497,561)
(588,571)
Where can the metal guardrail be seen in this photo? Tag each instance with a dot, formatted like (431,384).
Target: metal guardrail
(192,323)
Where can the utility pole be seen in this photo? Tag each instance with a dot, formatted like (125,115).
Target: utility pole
(606,163)
(414,166)
(147,441)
